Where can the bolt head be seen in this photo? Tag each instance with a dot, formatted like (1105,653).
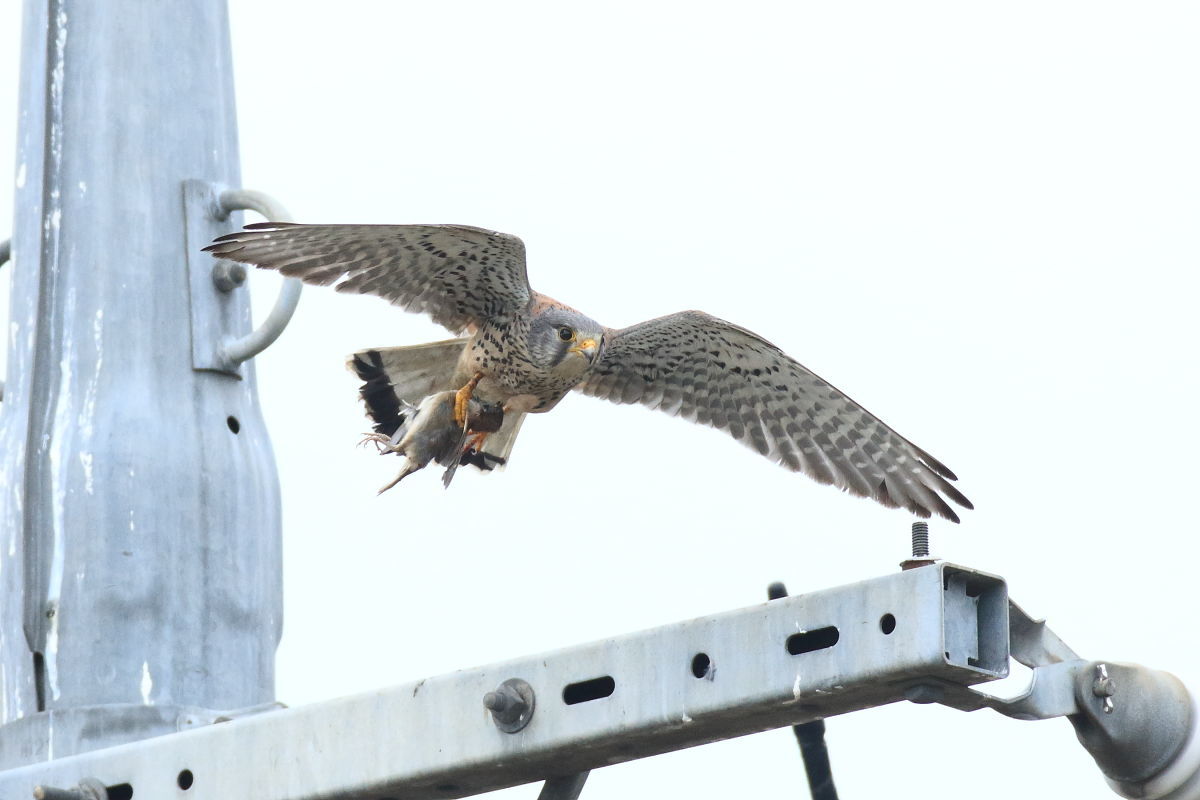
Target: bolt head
(228,275)
(496,702)
(511,705)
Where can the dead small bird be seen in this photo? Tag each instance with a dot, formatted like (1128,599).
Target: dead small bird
(429,432)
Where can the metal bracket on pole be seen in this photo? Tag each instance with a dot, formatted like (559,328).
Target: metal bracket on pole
(1051,690)
(219,313)
(264,335)
(1142,726)
(770,665)
(1032,643)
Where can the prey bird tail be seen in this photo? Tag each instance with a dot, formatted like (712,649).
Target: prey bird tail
(393,376)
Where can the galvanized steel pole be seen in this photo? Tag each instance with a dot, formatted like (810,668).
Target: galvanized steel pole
(139,509)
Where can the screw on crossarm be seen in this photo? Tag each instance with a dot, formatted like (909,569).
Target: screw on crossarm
(811,738)
(920,547)
(920,539)
(512,705)
(88,789)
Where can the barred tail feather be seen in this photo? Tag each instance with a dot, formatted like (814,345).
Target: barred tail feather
(393,376)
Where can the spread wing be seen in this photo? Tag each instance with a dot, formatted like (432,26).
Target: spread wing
(713,372)
(457,274)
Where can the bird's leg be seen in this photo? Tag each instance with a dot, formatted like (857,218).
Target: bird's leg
(463,397)
(475,442)
(382,442)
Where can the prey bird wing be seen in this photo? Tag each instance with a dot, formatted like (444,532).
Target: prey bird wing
(715,373)
(457,274)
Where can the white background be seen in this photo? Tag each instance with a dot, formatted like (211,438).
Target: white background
(980,220)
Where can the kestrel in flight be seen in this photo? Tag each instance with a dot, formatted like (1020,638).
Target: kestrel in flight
(523,352)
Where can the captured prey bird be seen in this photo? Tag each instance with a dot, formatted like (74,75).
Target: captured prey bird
(523,352)
(430,431)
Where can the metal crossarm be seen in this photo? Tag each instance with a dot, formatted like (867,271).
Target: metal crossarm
(766,666)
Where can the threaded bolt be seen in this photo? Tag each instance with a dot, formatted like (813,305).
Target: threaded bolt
(54,793)
(920,540)
(88,789)
(511,705)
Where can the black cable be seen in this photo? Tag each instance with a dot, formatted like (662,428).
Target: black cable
(811,737)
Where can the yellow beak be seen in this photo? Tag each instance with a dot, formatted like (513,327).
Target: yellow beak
(587,348)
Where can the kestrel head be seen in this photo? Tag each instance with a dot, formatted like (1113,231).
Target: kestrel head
(564,342)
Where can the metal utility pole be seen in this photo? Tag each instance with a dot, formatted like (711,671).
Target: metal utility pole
(139,505)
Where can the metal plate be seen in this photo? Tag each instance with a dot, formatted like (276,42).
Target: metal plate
(775,664)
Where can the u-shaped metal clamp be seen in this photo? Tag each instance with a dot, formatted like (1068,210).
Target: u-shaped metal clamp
(262,337)
(218,313)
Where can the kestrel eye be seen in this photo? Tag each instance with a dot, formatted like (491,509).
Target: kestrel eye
(566,334)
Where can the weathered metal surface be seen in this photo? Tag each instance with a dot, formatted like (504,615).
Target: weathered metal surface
(637,695)
(139,513)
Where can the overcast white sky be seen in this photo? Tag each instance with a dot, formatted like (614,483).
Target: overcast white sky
(979,220)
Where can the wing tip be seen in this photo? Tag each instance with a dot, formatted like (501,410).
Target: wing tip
(270,226)
(222,242)
(238,237)
(948,514)
(934,464)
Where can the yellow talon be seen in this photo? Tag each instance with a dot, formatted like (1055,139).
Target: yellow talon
(463,397)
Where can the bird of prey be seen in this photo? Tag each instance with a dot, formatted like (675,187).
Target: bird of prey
(523,351)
